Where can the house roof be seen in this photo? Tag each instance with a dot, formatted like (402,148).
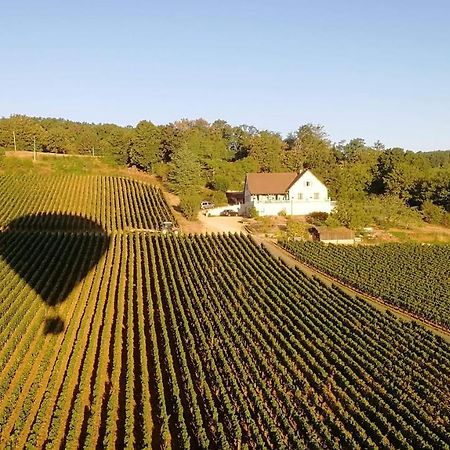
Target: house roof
(271,183)
(335,234)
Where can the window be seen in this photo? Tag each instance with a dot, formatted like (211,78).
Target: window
(300,196)
(316,196)
(307,183)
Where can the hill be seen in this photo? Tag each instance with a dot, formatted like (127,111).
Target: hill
(115,338)
(112,203)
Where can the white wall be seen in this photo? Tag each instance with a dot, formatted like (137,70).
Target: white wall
(216,211)
(294,208)
(308,185)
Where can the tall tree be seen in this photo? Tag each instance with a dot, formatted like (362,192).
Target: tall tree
(185,170)
(312,149)
(145,146)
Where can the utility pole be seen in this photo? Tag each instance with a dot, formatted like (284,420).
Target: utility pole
(93,151)
(34,148)
(14,137)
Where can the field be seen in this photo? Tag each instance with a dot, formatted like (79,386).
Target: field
(120,338)
(108,203)
(413,277)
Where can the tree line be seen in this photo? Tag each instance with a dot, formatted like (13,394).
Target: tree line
(200,159)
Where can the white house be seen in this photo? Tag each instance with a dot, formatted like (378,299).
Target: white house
(292,193)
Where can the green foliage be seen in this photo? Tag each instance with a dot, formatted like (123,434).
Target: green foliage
(252,212)
(220,183)
(196,154)
(296,229)
(311,149)
(145,146)
(435,214)
(190,204)
(185,170)
(161,170)
(411,276)
(266,149)
(219,198)
(387,211)
(317,218)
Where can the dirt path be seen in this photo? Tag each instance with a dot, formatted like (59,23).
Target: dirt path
(289,260)
(221,224)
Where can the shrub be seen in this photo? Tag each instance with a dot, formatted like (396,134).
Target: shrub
(253,212)
(220,183)
(317,218)
(297,229)
(435,214)
(161,170)
(190,205)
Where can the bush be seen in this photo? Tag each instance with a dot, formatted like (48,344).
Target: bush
(317,218)
(297,229)
(253,212)
(218,198)
(387,211)
(435,214)
(161,170)
(220,183)
(190,205)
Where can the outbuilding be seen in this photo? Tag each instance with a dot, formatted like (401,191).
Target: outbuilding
(333,235)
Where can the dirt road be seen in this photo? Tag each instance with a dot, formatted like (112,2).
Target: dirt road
(221,224)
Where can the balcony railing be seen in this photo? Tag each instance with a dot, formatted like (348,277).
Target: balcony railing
(295,201)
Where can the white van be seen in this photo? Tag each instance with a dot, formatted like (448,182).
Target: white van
(206,205)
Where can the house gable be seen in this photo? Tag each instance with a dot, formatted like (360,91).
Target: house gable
(308,187)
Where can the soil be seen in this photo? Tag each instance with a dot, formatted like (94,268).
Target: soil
(221,224)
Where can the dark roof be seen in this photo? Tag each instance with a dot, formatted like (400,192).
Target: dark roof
(271,183)
(335,234)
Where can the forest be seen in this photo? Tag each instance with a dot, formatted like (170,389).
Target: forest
(197,159)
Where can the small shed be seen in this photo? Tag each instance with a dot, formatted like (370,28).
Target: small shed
(333,235)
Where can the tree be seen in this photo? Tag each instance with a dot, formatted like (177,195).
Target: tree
(311,149)
(185,170)
(354,149)
(145,146)
(266,149)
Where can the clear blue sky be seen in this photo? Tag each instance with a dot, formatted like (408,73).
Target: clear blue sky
(369,69)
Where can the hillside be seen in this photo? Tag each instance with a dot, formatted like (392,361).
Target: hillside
(111,203)
(117,338)
(413,277)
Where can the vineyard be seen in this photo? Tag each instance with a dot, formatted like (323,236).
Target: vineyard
(142,340)
(413,277)
(109,203)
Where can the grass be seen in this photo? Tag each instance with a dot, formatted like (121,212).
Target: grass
(429,234)
(47,164)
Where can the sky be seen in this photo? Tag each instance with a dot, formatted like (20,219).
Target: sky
(366,69)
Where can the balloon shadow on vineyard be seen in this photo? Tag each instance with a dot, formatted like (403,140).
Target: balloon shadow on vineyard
(52,253)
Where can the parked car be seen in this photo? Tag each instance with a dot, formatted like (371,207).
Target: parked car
(206,205)
(229,213)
